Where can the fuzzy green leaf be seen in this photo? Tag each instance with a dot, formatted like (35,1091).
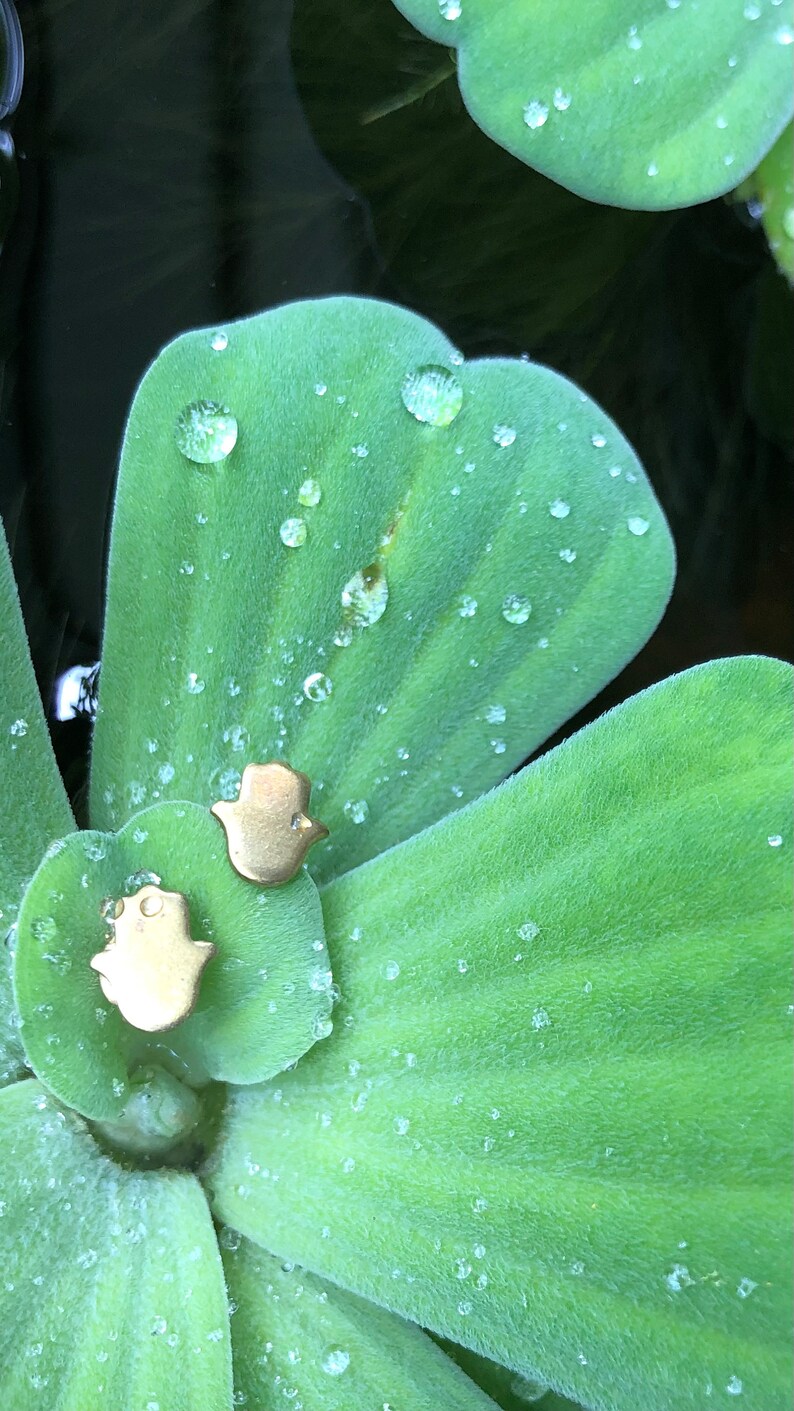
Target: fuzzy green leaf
(510,1390)
(113,1286)
(638,103)
(264,997)
(555,1121)
(530,493)
(295,1336)
(33,805)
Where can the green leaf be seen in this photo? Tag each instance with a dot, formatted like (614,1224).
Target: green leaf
(113,1287)
(774,182)
(529,493)
(647,105)
(264,998)
(33,805)
(297,1337)
(510,1390)
(556,1115)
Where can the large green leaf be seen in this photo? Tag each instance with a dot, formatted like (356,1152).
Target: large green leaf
(223,644)
(264,998)
(639,103)
(555,1123)
(33,805)
(298,1339)
(113,1287)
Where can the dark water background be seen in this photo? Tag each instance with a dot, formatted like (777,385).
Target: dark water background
(188,162)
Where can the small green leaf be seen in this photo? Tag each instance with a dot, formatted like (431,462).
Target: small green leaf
(647,105)
(558,1106)
(113,1287)
(294,1335)
(264,998)
(774,182)
(33,805)
(403,608)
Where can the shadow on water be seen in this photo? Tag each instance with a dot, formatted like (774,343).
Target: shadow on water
(188,164)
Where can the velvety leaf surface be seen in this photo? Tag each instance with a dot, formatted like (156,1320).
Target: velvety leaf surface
(299,1339)
(774,182)
(554,1121)
(264,997)
(638,103)
(510,1390)
(33,805)
(529,503)
(113,1291)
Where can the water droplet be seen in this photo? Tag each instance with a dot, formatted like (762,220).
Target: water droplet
(498,746)
(431,394)
(322,1027)
(194,684)
(18,729)
(159,1326)
(788,222)
(496,715)
(503,435)
(633,40)
(310,493)
(679,1278)
(365,596)
(637,525)
(292,533)
(598,439)
(559,509)
(535,113)
(360,452)
(317,687)
(785,34)
(516,609)
(568,555)
(540,1019)
(205,432)
(219,342)
(335,1361)
(391,970)
(746,1287)
(401,1125)
(734,1386)
(775,840)
(467,606)
(752,11)
(357,810)
(450,9)
(528,930)
(561,100)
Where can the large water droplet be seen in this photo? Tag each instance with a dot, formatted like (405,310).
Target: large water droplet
(433,395)
(205,432)
(310,493)
(365,596)
(535,113)
(317,687)
(292,532)
(516,609)
(335,1361)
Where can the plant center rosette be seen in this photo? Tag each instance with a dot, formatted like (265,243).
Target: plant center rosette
(264,997)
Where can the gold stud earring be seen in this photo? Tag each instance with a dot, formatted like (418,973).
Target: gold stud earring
(151,969)
(268,829)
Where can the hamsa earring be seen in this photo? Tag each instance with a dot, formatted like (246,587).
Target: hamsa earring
(268,829)
(151,969)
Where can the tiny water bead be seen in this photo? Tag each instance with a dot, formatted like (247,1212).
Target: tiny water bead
(357,810)
(637,525)
(535,113)
(450,9)
(365,596)
(292,533)
(561,100)
(317,686)
(516,609)
(310,493)
(335,1361)
(503,436)
(467,606)
(432,395)
(559,509)
(219,342)
(205,432)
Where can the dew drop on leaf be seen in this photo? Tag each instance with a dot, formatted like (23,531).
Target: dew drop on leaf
(637,525)
(503,436)
(365,596)
(535,113)
(450,9)
(516,609)
(317,687)
(432,395)
(292,533)
(335,1361)
(205,432)
(357,810)
(219,342)
(310,493)
(559,509)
